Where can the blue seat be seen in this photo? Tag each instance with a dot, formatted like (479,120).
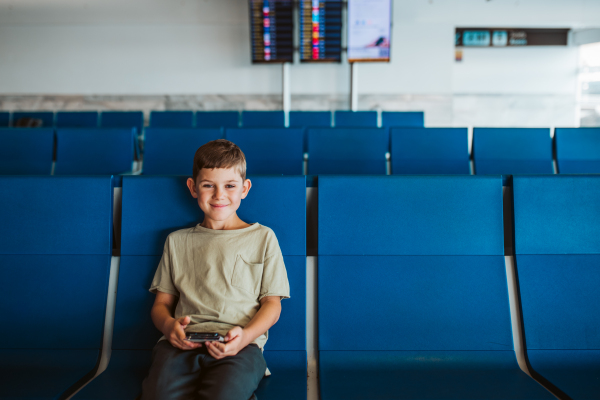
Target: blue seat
(26,151)
(55,258)
(424,275)
(4,119)
(557,245)
(123,119)
(77,119)
(355,119)
(403,119)
(145,226)
(578,150)
(430,151)
(512,151)
(302,119)
(347,151)
(94,151)
(172,119)
(217,119)
(263,119)
(270,151)
(170,151)
(47,117)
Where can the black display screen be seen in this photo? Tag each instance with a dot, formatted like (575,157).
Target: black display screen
(320,30)
(272,31)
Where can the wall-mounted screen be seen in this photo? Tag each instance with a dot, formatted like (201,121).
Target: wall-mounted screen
(320,30)
(510,37)
(272,31)
(369,30)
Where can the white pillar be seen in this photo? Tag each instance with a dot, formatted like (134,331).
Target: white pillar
(354,86)
(287,93)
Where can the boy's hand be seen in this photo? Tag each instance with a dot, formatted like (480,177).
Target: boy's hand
(234,342)
(174,331)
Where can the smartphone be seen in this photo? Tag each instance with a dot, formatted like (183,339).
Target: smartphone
(200,337)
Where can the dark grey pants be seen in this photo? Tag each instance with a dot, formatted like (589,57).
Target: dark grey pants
(195,374)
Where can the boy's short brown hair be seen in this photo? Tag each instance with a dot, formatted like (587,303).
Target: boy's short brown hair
(219,153)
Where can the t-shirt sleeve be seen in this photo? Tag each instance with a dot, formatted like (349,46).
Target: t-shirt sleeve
(274,280)
(163,278)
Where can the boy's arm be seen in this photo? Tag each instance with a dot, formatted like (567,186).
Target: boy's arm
(172,328)
(238,338)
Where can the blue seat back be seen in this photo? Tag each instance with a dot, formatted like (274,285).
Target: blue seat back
(123,119)
(4,119)
(270,151)
(428,254)
(557,245)
(47,117)
(404,119)
(578,150)
(302,119)
(153,207)
(172,119)
(512,151)
(170,151)
(217,119)
(347,151)
(77,119)
(94,151)
(263,119)
(55,258)
(355,119)
(26,151)
(430,150)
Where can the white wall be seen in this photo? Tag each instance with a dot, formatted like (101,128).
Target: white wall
(202,47)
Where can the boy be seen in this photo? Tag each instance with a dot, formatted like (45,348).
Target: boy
(224,275)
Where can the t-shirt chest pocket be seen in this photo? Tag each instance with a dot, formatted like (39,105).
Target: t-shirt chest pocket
(247,276)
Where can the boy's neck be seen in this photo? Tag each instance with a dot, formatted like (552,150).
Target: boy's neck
(232,223)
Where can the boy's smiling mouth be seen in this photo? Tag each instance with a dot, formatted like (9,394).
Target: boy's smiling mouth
(219,205)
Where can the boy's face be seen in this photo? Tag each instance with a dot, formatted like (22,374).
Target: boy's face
(219,192)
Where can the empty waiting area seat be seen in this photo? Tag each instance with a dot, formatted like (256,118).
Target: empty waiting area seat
(4,119)
(302,119)
(578,150)
(172,119)
(123,119)
(170,151)
(430,151)
(355,119)
(77,119)
(270,151)
(263,119)
(94,151)
(557,246)
(22,118)
(413,304)
(404,119)
(26,151)
(347,151)
(512,151)
(145,226)
(217,119)
(55,257)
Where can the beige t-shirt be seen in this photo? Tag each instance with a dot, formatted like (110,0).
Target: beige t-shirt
(220,276)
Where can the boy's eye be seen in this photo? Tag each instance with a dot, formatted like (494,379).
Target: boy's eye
(206,185)
(230,186)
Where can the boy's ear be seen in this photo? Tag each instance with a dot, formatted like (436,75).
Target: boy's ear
(192,186)
(247,186)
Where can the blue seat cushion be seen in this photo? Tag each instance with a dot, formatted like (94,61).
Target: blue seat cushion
(172,119)
(288,379)
(566,166)
(26,151)
(575,372)
(44,373)
(122,379)
(513,167)
(263,119)
(425,375)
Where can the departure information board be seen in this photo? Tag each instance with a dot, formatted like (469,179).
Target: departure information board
(369,30)
(272,31)
(320,30)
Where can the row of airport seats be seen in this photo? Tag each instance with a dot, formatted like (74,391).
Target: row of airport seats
(412,301)
(327,150)
(212,119)
(68,151)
